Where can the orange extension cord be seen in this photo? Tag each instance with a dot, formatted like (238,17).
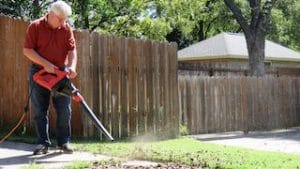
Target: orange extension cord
(26,109)
(12,130)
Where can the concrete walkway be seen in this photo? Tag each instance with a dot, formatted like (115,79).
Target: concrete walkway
(17,155)
(14,155)
(287,140)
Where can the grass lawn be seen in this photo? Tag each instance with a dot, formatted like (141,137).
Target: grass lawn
(194,153)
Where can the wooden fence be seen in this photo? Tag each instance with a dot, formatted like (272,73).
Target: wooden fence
(130,84)
(220,104)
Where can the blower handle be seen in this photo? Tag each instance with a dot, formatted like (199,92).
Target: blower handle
(49,80)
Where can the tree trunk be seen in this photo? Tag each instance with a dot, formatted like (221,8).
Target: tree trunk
(86,24)
(36,9)
(256,51)
(254,32)
(200,31)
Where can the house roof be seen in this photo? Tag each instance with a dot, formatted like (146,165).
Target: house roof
(233,46)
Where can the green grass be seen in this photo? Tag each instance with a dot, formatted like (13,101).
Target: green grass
(79,165)
(192,152)
(33,165)
(111,163)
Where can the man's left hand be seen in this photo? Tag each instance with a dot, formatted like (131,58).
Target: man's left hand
(72,72)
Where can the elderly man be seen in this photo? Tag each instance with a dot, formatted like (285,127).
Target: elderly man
(50,44)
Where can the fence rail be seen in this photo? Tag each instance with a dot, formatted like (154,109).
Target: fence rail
(220,104)
(129,83)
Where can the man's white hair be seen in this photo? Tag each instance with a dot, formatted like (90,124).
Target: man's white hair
(61,8)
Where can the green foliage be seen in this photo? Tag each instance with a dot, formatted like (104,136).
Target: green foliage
(183,130)
(155,29)
(285,25)
(33,165)
(14,8)
(24,9)
(123,17)
(185,22)
(194,20)
(79,165)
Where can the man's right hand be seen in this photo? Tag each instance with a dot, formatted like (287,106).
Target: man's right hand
(50,68)
(36,58)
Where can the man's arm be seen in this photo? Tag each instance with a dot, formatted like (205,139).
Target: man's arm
(72,63)
(36,58)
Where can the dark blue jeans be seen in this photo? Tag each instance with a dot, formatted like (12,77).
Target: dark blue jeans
(40,99)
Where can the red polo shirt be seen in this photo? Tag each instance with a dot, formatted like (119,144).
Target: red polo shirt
(51,44)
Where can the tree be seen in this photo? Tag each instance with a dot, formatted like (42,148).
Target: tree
(255,31)
(285,25)
(81,9)
(130,18)
(192,21)
(24,9)
(13,8)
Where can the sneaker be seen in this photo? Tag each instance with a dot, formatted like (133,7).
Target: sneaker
(66,148)
(40,149)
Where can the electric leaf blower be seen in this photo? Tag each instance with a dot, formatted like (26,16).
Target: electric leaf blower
(59,83)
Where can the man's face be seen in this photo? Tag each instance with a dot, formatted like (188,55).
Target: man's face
(57,20)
